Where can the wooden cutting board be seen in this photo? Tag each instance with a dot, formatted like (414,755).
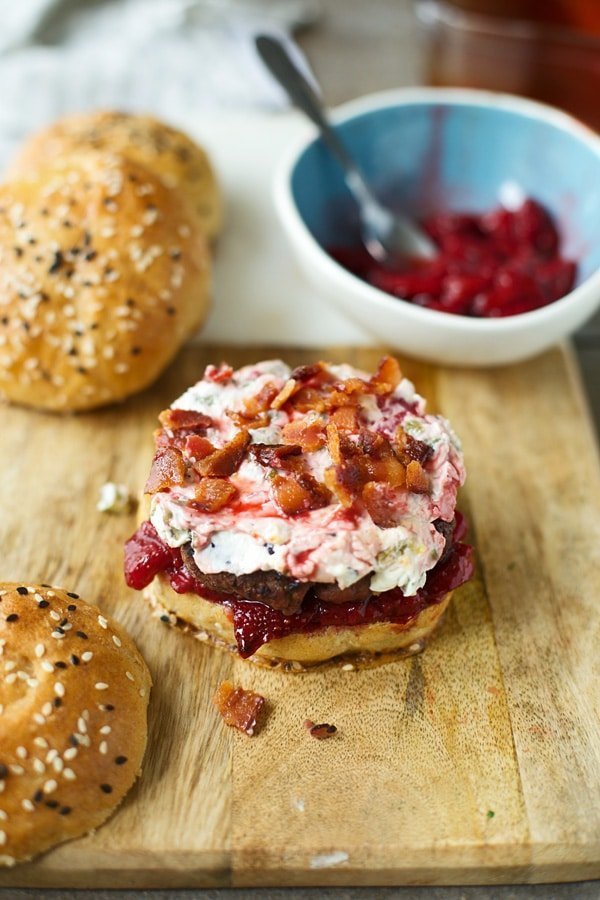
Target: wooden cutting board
(478,761)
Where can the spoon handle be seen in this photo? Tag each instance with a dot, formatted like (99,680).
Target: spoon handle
(277,59)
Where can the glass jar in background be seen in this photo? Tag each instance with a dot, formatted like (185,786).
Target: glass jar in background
(545,49)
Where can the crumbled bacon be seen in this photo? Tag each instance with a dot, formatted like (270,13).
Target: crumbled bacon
(198,447)
(381,502)
(274,456)
(345,418)
(177,419)
(218,374)
(344,481)
(334,443)
(240,708)
(408,448)
(243,420)
(289,388)
(321,731)
(226,460)
(417,479)
(212,494)
(308,432)
(168,470)
(260,403)
(301,374)
(299,493)
(310,398)
(387,377)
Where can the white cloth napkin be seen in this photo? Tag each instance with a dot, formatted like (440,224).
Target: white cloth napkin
(169,57)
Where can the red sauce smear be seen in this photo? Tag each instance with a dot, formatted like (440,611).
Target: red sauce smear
(493,265)
(255,623)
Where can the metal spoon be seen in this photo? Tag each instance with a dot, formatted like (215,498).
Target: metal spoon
(389,237)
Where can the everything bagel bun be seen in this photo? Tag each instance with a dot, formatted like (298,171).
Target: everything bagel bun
(104,273)
(166,152)
(360,643)
(73,698)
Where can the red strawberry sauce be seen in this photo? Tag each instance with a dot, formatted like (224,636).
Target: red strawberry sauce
(255,623)
(497,264)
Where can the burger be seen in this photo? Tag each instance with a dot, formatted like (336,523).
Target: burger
(302,516)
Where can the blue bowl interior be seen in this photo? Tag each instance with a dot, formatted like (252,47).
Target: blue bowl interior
(426,156)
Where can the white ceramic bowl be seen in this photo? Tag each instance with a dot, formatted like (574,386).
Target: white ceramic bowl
(468,145)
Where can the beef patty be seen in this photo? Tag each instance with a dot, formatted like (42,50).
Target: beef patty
(285,593)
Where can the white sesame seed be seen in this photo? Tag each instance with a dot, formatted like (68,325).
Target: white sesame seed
(27,805)
(81,725)
(50,786)
(84,740)
(85,657)
(57,764)
(32,682)
(116,640)
(102,622)
(59,689)
(47,709)
(130,676)
(39,650)
(57,635)
(47,666)
(54,615)
(39,718)
(10,679)
(22,752)
(10,665)
(2,838)
(101,686)
(39,766)
(142,692)
(51,754)
(106,729)
(40,742)
(16,769)
(3,816)
(69,774)
(70,753)
(103,748)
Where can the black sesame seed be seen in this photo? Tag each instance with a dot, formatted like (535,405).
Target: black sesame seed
(165,618)
(43,604)
(25,326)
(82,635)
(56,263)
(135,351)
(73,740)
(32,241)
(75,660)
(64,810)
(60,630)
(3,771)
(5,320)
(170,311)
(18,251)
(12,618)
(51,804)
(82,370)
(57,702)
(63,623)
(67,223)
(120,760)
(73,596)
(46,585)
(91,254)
(22,590)
(130,302)
(71,607)
(108,707)
(106,788)
(38,796)
(60,664)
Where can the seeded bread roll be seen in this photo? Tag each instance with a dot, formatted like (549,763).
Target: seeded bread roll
(73,699)
(359,643)
(166,152)
(104,273)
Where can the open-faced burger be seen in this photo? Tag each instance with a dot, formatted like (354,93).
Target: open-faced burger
(300,516)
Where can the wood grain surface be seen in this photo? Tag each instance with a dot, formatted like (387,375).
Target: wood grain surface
(476,762)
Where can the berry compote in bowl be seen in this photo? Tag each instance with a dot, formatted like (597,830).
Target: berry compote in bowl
(508,188)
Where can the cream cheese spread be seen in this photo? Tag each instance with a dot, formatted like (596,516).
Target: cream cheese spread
(324,545)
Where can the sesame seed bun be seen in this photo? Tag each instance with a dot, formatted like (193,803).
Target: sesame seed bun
(166,152)
(73,699)
(362,644)
(104,273)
